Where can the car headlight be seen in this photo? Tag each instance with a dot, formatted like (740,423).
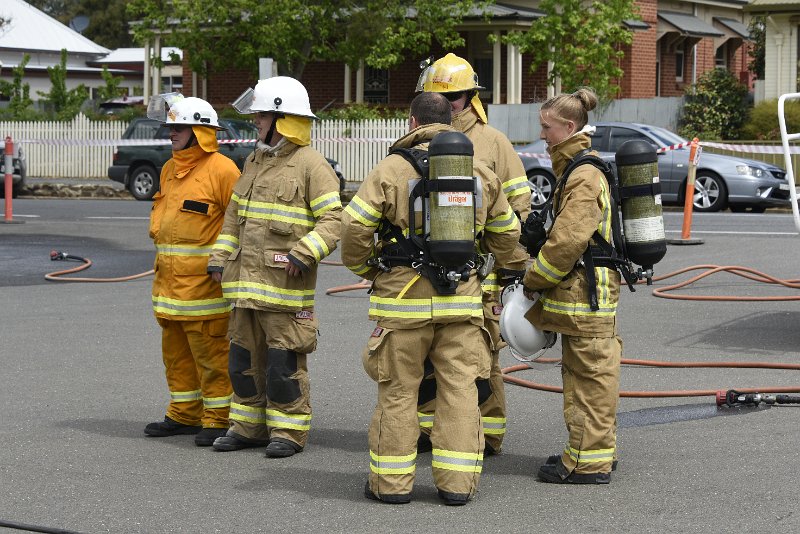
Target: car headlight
(749,171)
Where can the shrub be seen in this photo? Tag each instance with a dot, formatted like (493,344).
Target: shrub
(355,112)
(763,121)
(715,107)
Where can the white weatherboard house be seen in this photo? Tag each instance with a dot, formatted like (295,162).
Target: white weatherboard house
(32,32)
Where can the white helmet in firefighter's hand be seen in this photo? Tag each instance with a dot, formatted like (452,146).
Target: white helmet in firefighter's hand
(174,108)
(281,94)
(525,340)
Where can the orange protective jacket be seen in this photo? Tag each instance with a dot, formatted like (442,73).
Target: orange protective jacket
(186,218)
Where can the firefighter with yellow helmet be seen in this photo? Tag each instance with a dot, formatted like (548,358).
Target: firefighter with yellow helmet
(187,214)
(426,298)
(455,78)
(283,219)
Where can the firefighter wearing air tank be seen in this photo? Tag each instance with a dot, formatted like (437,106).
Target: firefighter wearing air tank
(455,78)
(187,215)
(590,347)
(283,219)
(426,299)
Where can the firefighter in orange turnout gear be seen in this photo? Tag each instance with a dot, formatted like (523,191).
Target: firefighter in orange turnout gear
(187,215)
(283,219)
(417,321)
(454,77)
(590,347)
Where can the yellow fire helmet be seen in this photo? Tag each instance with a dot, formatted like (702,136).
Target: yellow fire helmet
(452,74)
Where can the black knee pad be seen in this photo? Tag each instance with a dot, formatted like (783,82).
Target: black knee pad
(427,391)
(484,390)
(238,362)
(281,365)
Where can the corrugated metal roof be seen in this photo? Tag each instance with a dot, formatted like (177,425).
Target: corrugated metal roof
(689,25)
(136,55)
(32,30)
(782,6)
(735,26)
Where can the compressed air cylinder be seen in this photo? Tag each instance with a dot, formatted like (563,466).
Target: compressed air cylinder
(452,213)
(643,223)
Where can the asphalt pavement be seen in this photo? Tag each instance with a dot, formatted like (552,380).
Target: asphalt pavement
(82,376)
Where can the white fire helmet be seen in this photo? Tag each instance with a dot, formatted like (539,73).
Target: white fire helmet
(174,108)
(525,340)
(281,94)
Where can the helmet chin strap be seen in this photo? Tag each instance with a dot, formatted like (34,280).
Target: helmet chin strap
(190,142)
(271,131)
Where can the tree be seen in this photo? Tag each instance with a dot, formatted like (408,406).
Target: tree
(758,35)
(108,22)
(111,88)
(18,92)
(65,103)
(294,32)
(582,42)
(715,107)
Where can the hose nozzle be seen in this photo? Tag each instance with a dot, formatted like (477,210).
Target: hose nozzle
(56,255)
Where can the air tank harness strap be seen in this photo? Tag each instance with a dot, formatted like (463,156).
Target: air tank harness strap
(602,254)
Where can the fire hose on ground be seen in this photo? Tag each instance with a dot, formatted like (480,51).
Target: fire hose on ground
(742,396)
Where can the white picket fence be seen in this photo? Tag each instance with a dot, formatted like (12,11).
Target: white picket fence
(47,154)
(82,148)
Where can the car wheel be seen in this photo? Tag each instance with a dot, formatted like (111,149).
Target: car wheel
(710,193)
(542,184)
(143,183)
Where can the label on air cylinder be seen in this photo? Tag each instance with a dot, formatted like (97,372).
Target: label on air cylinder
(455,198)
(644,229)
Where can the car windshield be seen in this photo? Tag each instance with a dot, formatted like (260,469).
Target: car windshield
(665,136)
(244,130)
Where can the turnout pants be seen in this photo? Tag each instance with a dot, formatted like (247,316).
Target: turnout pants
(195,357)
(268,371)
(491,392)
(590,373)
(395,359)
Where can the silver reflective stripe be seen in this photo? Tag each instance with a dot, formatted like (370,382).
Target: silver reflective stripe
(185,396)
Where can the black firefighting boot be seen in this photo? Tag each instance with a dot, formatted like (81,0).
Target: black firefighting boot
(170,427)
(206,437)
(282,448)
(453,499)
(558,474)
(388,498)
(553,460)
(232,441)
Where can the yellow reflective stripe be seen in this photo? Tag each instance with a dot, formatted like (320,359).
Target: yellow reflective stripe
(276,212)
(363,212)
(503,223)
(405,308)
(494,425)
(456,306)
(185,396)
(325,203)
(295,421)
(195,308)
(226,242)
(607,309)
(316,244)
(217,402)
(490,284)
(590,456)
(516,186)
(359,269)
(392,465)
(604,228)
(425,419)
(183,250)
(603,285)
(465,462)
(545,269)
(269,294)
(247,414)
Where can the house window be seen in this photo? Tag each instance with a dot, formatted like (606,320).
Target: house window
(376,86)
(679,63)
(721,57)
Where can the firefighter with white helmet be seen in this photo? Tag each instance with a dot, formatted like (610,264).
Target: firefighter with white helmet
(424,306)
(456,79)
(283,219)
(187,215)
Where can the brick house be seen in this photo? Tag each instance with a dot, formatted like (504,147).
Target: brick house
(675,42)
